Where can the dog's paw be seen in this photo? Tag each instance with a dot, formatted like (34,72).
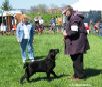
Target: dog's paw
(56,76)
(49,80)
(21,82)
(28,81)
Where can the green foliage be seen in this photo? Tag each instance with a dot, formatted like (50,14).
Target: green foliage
(46,16)
(11,66)
(5,6)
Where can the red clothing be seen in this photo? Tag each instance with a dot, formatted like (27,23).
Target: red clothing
(87,27)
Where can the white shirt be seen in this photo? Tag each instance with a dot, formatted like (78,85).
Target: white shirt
(74,28)
(3,28)
(26,32)
(41,21)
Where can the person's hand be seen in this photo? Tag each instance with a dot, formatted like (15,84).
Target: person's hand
(18,40)
(33,40)
(64,33)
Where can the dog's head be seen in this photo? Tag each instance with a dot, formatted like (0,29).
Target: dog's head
(52,53)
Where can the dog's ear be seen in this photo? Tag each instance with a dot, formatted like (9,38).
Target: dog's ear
(57,50)
(25,65)
(54,51)
(51,50)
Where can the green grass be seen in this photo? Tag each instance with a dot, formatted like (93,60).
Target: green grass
(11,66)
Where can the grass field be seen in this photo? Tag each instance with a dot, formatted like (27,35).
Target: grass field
(11,66)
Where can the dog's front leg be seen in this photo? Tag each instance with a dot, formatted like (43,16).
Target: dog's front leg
(27,77)
(28,74)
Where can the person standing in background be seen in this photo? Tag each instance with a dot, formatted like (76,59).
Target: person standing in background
(24,34)
(3,28)
(53,24)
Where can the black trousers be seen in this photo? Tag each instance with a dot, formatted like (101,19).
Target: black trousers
(78,65)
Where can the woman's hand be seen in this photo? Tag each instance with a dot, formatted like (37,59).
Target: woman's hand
(64,33)
(18,40)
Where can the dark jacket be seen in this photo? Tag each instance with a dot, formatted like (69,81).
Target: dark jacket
(76,42)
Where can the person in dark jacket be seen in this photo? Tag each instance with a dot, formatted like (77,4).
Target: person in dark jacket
(75,38)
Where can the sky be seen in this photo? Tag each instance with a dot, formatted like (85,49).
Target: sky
(26,4)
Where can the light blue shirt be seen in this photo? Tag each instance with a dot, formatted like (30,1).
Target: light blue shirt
(20,31)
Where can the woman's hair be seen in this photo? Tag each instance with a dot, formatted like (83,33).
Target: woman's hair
(68,8)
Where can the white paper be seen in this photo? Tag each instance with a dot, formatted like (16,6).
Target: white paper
(74,28)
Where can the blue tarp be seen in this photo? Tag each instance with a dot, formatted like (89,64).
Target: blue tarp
(92,15)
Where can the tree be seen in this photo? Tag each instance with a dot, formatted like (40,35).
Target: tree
(5,6)
(33,9)
(42,8)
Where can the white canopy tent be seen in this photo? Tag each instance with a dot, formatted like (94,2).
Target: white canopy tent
(9,13)
(87,5)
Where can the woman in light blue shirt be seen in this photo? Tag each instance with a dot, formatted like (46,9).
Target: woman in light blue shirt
(24,34)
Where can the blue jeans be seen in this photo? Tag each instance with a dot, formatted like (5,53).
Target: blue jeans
(100,32)
(26,44)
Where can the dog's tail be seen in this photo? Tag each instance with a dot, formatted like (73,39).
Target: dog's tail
(25,65)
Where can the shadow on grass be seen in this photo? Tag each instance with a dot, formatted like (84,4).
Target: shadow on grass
(45,78)
(92,72)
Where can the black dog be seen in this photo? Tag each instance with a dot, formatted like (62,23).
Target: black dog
(46,65)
